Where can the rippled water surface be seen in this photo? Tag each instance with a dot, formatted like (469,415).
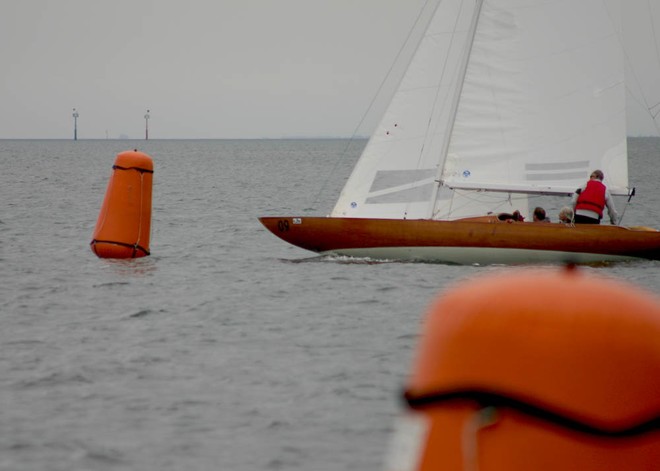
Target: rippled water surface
(226,348)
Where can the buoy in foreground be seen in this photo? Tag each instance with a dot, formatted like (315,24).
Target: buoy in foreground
(124,223)
(541,370)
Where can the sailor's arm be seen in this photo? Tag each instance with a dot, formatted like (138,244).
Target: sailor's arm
(611,210)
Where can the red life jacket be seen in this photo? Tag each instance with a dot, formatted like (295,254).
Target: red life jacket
(592,198)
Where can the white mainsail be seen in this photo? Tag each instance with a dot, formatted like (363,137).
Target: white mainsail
(502,98)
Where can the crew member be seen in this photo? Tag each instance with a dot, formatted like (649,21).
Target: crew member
(539,215)
(589,201)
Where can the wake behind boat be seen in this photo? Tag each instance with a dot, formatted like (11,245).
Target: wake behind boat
(503,100)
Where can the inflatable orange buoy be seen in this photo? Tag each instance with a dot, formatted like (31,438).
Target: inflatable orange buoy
(535,370)
(124,223)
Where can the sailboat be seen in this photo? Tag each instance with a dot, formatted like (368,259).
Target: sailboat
(501,101)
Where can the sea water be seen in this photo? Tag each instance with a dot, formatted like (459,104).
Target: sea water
(226,349)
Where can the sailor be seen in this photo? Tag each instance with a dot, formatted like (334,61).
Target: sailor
(539,215)
(566,215)
(589,201)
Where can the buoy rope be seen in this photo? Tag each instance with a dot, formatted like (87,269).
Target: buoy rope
(492,399)
(477,421)
(135,247)
(141,170)
(139,236)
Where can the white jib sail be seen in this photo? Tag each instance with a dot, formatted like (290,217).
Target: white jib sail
(542,104)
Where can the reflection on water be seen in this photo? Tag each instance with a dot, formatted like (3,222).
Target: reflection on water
(130,267)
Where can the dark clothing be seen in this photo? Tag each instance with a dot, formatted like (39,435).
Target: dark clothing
(580,219)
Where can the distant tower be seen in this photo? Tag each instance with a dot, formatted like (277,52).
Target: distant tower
(146,126)
(75,124)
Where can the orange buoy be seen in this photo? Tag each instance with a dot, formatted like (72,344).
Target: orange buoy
(535,370)
(124,223)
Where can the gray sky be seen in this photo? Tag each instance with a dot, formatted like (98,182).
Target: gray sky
(223,68)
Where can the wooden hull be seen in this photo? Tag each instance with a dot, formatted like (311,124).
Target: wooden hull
(466,241)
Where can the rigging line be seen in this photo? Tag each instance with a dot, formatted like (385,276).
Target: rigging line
(644,102)
(495,202)
(641,102)
(378,92)
(437,92)
(657,53)
(655,38)
(654,114)
(630,196)
(626,57)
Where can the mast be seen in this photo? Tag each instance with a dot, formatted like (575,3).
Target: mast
(75,124)
(455,101)
(146,126)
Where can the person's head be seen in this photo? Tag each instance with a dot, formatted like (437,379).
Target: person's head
(539,214)
(597,175)
(566,214)
(517,216)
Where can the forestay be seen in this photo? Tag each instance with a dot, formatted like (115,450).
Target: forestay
(502,98)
